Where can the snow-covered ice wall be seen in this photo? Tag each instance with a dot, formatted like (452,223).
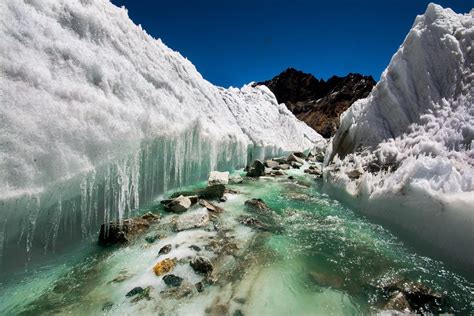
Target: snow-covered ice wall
(405,153)
(98,117)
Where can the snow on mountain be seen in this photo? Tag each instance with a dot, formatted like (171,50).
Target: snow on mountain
(406,151)
(93,106)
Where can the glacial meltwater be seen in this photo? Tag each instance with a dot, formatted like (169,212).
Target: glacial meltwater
(309,256)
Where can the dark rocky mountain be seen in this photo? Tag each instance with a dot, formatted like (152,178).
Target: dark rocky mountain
(317,102)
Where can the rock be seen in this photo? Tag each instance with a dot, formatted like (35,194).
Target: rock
(257,206)
(150,217)
(278,173)
(294,158)
(201,265)
(172,280)
(192,220)
(183,193)
(280,160)
(257,169)
(223,199)
(254,223)
(135,291)
(107,306)
(217,177)
(319,157)
(179,205)
(165,249)
(178,292)
(354,174)
(271,164)
(143,294)
(210,207)
(315,171)
(299,154)
(236,179)
(151,238)
(212,192)
(296,165)
(291,178)
(199,287)
(116,233)
(195,248)
(284,166)
(398,302)
(164,266)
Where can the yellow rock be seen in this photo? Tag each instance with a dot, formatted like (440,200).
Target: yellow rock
(164,266)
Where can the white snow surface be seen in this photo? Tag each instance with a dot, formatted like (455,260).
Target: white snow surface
(81,84)
(418,126)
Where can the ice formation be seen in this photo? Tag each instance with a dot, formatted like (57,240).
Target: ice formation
(406,151)
(98,117)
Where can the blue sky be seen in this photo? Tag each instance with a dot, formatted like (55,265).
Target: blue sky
(234,42)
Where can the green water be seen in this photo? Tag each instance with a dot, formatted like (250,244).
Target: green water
(323,259)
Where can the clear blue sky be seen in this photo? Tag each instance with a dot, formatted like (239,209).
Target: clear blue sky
(235,42)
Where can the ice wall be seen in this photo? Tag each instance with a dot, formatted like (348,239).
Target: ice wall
(98,117)
(405,154)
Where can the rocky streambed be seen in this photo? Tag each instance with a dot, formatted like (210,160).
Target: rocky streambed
(264,241)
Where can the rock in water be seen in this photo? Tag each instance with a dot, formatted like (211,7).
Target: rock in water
(192,220)
(116,233)
(201,265)
(284,166)
(210,207)
(172,280)
(256,170)
(271,164)
(179,205)
(217,177)
(236,179)
(165,249)
(257,206)
(294,158)
(212,192)
(164,266)
(254,223)
(135,291)
(296,164)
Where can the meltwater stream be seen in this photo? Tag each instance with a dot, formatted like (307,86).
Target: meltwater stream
(321,259)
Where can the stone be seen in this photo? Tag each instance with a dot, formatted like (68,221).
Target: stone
(271,164)
(210,207)
(120,233)
(195,248)
(254,223)
(179,205)
(150,217)
(223,199)
(280,160)
(278,173)
(135,291)
(143,294)
(284,166)
(299,154)
(151,238)
(354,174)
(291,178)
(294,158)
(212,192)
(165,249)
(256,170)
(172,280)
(217,177)
(296,165)
(319,157)
(257,206)
(201,265)
(183,193)
(313,171)
(164,266)
(178,292)
(192,220)
(236,179)
(398,302)
(199,287)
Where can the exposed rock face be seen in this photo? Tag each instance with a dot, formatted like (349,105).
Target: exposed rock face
(317,102)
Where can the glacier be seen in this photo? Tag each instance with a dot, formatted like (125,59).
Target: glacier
(405,154)
(98,117)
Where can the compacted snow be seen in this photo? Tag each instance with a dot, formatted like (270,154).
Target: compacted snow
(406,152)
(98,115)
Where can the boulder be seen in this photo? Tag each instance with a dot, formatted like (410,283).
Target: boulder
(254,223)
(278,173)
(212,192)
(257,169)
(139,293)
(164,266)
(236,179)
(120,233)
(150,217)
(296,164)
(195,248)
(299,154)
(284,166)
(210,207)
(172,280)
(179,205)
(257,206)
(271,164)
(217,177)
(165,249)
(354,174)
(196,219)
(292,157)
(280,160)
(201,265)
(314,171)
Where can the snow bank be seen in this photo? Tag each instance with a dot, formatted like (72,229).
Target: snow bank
(411,140)
(92,106)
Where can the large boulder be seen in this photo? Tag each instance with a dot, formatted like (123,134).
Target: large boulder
(164,266)
(257,169)
(236,179)
(213,192)
(210,207)
(271,163)
(257,206)
(201,265)
(217,177)
(119,233)
(196,219)
(179,205)
(293,157)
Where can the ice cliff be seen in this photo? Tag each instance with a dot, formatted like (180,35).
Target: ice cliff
(98,117)
(405,153)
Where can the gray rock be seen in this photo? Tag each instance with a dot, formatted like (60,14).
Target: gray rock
(257,169)
(299,154)
(172,280)
(354,174)
(196,219)
(195,248)
(284,166)
(280,160)
(179,205)
(165,249)
(296,164)
(120,233)
(201,265)
(212,192)
(236,179)
(210,207)
(292,157)
(271,164)
(217,177)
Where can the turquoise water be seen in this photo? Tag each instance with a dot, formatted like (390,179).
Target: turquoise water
(323,259)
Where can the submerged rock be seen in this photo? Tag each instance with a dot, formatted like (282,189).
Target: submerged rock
(212,192)
(165,249)
(256,170)
(179,205)
(296,164)
(257,206)
(192,220)
(195,248)
(210,207)
(254,223)
(172,280)
(201,265)
(120,233)
(164,266)
(135,291)
(217,177)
